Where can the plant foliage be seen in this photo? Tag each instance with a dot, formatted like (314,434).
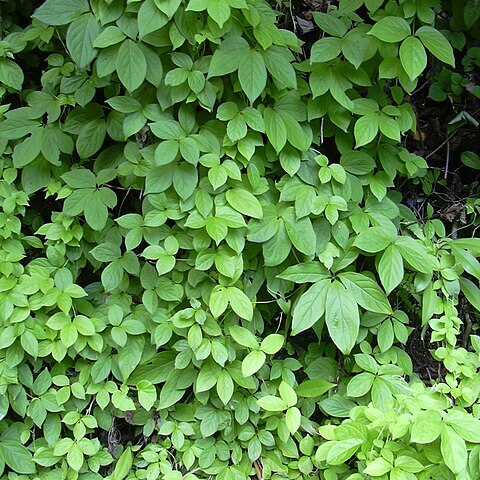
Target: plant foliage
(207,269)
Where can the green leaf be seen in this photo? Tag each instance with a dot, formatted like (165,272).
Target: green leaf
(226,59)
(240,303)
(374,239)
(330,24)
(150,18)
(75,457)
(391,29)
(218,300)
(390,268)
(253,362)
(342,317)
(313,388)
(123,465)
(275,129)
(366,129)
(307,272)
(466,425)
(110,36)
(357,163)
(326,49)
(11,74)
(437,44)
(454,449)
(378,467)
(225,386)
(413,57)
(17,457)
(243,337)
(244,202)
(366,292)
(471,292)
(272,343)
(360,384)
(80,37)
(185,180)
(311,307)
(147,394)
(301,233)
(60,12)
(252,74)
(131,65)
(272,403)
(91,138)
(341,451)
(293,418)
(80,178)
(219,10)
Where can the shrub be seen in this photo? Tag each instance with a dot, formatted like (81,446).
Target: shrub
(208,267)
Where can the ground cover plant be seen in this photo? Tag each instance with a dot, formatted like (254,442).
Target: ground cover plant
(238,240)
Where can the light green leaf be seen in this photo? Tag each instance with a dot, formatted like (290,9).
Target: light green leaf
(366,292)
(471,292)
(390,268)
(243,337)
(413,57)
(437,44)
(244,202)
(272,343)
(253,362)
(252,74)
(123,465)
(454,450)
(342,317)
(293,418)
(378,467)
(147,394)
(310,307)
(374,239)
(391,29)
(240,303)
(17,457)
(218,300)
(313,388)
(307,272)
(225,386)
(366,129)
(272,403)
(360,384)
(275,129)
(325,49)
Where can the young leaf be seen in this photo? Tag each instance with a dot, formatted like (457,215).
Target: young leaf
(437,44)
(413,57)
(272,403)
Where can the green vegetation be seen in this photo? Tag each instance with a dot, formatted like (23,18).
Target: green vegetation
(212,265)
